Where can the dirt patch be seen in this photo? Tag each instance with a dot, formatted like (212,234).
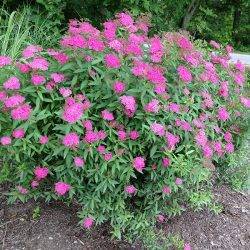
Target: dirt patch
(57,228)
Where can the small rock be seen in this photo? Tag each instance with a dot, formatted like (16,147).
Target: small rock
(50,238)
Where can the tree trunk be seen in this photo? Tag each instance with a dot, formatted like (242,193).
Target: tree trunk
(236,21)
(190,12)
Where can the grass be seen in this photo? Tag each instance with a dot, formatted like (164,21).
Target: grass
(23,27)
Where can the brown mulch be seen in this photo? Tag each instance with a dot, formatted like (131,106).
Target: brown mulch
(57,227)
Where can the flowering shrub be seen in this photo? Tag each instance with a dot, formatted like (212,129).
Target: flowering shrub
(127,125)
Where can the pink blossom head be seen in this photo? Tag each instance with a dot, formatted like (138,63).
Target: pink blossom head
(43,139)
(34,184)
(228,136)
(5,140)
(3,96)
(122,135)
(12,83)
(23,68)
(207,151)
(72,112)
(18,133)
(157,129)
(165,162)
(245,101)
(106,115)
(223,115)
(39,64)
(119,87)
(178,181)
(22,190)
(87,125)
(4,61)
(13,101)
(65,92)
(88,222)
(107,156)
(41,173)
(101,149)
(21,113)
(57,77)
(128,102)
(112,61)
(139,163)
(71,140)
(130,189)
(229,147)
(187,246)
(38,79)
(125,19)
(61,188)
(79,162)
(134,135)
(166,190)
(184,74)
(160,218)
(153,106)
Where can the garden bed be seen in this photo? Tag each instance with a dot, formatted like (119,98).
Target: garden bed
(57,226)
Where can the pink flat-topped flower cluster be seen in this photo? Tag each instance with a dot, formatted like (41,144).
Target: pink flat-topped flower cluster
(116,115)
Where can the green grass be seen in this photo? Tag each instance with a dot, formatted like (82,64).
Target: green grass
(23,27)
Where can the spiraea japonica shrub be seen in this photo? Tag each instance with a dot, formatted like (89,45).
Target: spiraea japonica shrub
(126,125)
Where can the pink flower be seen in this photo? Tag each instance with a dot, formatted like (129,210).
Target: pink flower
(187,246)
(65,92)
(34,184)
(134,135)
(87,125)
(43,139)
(224,91)
(240,66)
(130,189)
(38,79)
(165,162)
(72,112)
(223,115)
(178,181)
(13,101)
(88,222)
(184,74)
(95,44)
(39,64)
(112,61)
(122,135)
(139,163)
(172,140)
(157,129)
(125,19)
(91,137)
(18,133)
(152,106)
(106,115)
(71,140)
(101,149)
(214,44)
(174,107)
(207,151)
(217,146)
(22,190)
(12,83)
(5,60)
(201,138)
(21,113)
(166,190)
(119,87)
(30,50)
(245,101)
(184,43)
(23,68)
(107,156)
(228,136)
(61,188)
(57,77)
(229,147)
(160,218)
(5,140)
(79,162)
(3,95)
(41,173)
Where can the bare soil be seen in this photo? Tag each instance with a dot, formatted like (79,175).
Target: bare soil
(57,227)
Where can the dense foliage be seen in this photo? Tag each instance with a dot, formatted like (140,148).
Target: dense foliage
(226,21)
(126,125)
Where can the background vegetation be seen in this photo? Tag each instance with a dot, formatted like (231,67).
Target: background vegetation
(227,21)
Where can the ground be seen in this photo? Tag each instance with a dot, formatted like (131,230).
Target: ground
(57,227)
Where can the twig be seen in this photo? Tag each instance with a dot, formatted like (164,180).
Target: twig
(7,222)
(5,233)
